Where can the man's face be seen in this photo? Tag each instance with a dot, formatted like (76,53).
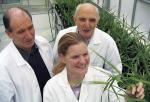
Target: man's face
(22,31)
(86,20)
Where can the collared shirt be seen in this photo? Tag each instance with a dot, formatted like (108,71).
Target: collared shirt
(26,54)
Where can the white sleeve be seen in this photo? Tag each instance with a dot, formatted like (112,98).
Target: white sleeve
(7,91)
(113,57)
(48,94)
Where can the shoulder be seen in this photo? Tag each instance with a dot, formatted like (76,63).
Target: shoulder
(59,79)
(53,83)
(67,30)
(41,39)
(5,53)
(42,43)
(102,35)
(98,73)
(70,29)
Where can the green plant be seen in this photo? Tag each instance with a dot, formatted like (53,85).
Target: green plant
(134,50)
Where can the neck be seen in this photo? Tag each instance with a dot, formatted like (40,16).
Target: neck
(75,80)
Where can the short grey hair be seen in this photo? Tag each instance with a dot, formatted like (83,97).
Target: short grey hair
(79,6)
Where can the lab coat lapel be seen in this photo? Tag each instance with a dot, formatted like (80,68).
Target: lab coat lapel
(66,87)
(16,55)
(84,92)
(44,49)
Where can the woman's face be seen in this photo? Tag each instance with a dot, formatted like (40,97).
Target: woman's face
(76,59)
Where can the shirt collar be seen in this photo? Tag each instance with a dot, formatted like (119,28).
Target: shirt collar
(26,54)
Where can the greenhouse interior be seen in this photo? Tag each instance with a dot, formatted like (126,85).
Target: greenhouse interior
(126,21)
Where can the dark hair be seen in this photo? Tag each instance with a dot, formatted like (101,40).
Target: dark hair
(65,42)
(7,16)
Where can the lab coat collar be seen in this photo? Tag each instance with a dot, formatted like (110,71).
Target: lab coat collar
(63,81)
(16,55)
(95,38)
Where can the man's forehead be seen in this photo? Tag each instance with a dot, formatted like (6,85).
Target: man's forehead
(87,16)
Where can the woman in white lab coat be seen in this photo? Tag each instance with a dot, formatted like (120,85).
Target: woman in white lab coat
(73,73)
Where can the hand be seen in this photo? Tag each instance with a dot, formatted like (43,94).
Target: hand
(136,91)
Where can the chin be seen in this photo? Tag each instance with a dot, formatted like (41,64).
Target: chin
(83,72)
(87,35)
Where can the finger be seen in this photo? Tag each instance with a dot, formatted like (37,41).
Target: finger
(133,90)
(140,93)
(142,97)
(139,86)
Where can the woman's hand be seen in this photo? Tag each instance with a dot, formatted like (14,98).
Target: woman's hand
(136,91)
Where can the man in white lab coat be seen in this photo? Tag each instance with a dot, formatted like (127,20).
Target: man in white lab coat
(26,63)
(86,18)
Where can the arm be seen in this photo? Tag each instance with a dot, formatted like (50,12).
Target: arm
(7,91)
(113,56)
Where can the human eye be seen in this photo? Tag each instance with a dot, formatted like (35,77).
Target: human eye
(21,31)
(75,57)
(82,19)
(85,54)
(92,20)
(31,27)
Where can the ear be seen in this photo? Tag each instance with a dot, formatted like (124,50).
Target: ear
(98,19)
(61,58)
(74,19)
(9,34)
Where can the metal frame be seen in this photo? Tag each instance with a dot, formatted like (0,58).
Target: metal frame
(119,8)
(106,4)
(57,26)
(133,12)
(134,9)
(145,1)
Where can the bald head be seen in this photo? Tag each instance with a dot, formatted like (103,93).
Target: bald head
(86,19)
(86,6)
(11,13)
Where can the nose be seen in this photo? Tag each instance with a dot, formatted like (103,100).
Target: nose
(87,23)
(29,34)
(83,60)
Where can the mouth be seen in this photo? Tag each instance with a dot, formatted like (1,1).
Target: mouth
(29,41)
(82,67)
(86,30)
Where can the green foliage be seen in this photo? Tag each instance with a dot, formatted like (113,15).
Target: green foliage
(134,50)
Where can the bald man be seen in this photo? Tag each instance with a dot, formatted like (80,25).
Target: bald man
(26,63)
(86,18)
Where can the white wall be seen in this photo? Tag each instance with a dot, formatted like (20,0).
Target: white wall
(142,17)
(114,5)
(127,9)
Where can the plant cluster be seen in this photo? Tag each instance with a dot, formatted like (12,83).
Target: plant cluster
(134,49)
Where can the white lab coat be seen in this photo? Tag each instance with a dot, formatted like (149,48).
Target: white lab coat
(18,82)
(100,42)
(58,89)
